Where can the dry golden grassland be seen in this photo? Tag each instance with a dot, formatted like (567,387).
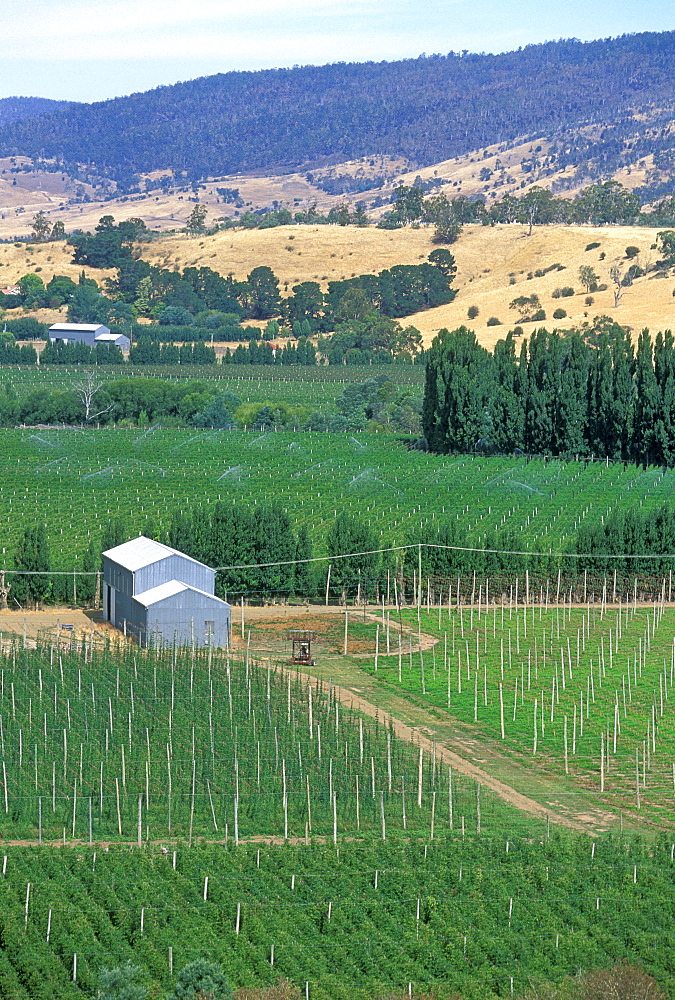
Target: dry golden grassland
(488,259)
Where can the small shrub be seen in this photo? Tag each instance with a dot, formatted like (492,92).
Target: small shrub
(601,288)
(538,316)
(539,273)
(602,255)
(472,312)
(566,291)
(589,300)
(556,293)
(512,281)
(559,314)
(592,246)
(493,321)
(632,252)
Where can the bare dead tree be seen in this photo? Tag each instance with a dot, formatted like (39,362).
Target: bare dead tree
(87,389)
(616,275)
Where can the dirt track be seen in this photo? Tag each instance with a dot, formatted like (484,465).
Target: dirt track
(582,823)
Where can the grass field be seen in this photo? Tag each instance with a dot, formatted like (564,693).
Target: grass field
(77,479)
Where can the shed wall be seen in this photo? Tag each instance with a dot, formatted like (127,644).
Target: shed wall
(182,619)
(121,607)
(74,336)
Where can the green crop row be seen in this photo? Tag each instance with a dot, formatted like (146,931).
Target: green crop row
(478,918)
(586,691)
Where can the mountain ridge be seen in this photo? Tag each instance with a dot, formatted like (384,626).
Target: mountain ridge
(19,108)
(426,109)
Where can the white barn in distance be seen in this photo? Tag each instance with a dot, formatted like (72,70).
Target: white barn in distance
(87,333)
(163,597)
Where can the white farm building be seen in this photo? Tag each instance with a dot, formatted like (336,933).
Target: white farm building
(87,333)
(161,596)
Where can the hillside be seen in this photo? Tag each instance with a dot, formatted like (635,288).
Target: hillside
(426,110)
(488,259)
(493,265)
(13,109)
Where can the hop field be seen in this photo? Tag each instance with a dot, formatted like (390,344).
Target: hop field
(584,691)
(134,746)
(478,917)
(78,479)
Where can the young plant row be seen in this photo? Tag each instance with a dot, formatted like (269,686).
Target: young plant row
(132,745)
(586,690)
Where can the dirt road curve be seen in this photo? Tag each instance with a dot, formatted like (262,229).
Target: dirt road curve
(415,735)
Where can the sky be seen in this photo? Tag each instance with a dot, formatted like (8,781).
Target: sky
(92,50)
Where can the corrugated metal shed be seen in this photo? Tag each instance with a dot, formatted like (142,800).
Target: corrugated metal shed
(161,592)
(79,328)
(162,596)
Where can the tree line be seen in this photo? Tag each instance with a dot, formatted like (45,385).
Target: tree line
(558,395)
(630,532)
(603,203)
(269,559)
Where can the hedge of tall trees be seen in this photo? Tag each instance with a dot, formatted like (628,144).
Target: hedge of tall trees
(247,537)
(633,533)
(557,395)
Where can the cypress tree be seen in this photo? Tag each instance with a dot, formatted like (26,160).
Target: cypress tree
(507,409)
(664,369)
(647,403)
(32,555)
(458,393)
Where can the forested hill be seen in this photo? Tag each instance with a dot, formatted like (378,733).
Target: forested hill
(14,109)
(426,109)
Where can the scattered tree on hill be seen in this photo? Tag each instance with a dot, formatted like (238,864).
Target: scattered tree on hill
(617,278)
(665,242)
(527,306)
(32,288)
(196,222)
(588,278)
(41,227)
(263,297)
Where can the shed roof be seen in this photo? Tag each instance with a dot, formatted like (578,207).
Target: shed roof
(78,327)
(170,589)
(112,336)
(142,551)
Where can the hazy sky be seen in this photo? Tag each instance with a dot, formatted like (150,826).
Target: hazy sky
(89,50)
